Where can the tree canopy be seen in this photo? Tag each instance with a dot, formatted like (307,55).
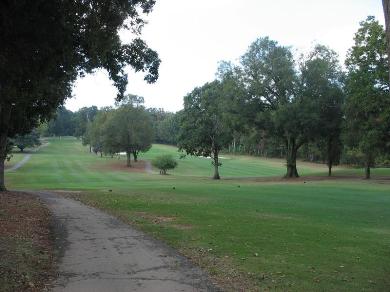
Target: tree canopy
(367,105)
(204,129)
(46,45)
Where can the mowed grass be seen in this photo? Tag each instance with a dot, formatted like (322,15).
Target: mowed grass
(16,157)
(279,236)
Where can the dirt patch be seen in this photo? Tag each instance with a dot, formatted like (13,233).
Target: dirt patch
(310,178)
(153,218)
(140,166)
(26,244)
(65,192)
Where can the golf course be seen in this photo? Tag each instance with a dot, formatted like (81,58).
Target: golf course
(251,230)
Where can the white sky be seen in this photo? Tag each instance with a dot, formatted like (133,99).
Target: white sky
(192,36)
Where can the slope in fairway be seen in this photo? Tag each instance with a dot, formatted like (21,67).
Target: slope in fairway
(314,236)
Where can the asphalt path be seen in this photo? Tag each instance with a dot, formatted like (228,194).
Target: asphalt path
(101,253)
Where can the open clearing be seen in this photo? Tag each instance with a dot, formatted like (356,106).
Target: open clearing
(298,236)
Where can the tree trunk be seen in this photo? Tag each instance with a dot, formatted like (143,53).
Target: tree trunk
(5,116)
(292,150)
(2,181)
(90,149)
(216,165)
(330,157)
(386,10)
(135,155)
(128,155)
(368,171)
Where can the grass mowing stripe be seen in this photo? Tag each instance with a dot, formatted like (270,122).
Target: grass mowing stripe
(313,236)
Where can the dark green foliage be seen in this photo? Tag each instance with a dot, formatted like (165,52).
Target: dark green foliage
(165,126)
(46,45)
(82,118)
(164,163)
(204,126)
(368,100)
(63,123)
(322,81)
(126,129)
(27,140)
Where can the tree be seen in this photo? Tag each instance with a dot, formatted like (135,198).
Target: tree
(322,81)
(62,124)
(127,129)
(164,163)
(367,103)
(82,118)
(94,132)
(27,140)
(46,45)
(272,83)
(204,129)
(386,10)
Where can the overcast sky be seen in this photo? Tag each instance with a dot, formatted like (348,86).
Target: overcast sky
(192,36)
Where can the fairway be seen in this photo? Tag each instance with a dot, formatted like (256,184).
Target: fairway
(296,236)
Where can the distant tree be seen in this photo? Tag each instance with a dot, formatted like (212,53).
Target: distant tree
(63,123)
(94,133)
(82,118)
(46,45)
(167,129)
(164,163)
(368,102)
(27,140)
(386,10)
(322,81)
(127,129)
(204,129)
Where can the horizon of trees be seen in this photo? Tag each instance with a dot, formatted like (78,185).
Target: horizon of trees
(270,104)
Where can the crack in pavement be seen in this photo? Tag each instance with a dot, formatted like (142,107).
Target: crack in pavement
(104,254)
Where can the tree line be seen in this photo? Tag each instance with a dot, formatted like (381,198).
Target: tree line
(272,103)
(269,104)
(47,45)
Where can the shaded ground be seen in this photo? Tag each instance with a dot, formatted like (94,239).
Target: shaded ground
(103,254)
(140,166)
(312,178)
(26,247)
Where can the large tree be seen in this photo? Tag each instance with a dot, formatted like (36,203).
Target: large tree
(46,45)
(368,101)
(386,10)
(322,82)
(127,129)
(272,81)
(204,128)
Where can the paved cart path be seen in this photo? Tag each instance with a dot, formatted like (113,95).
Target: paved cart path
(100,253)
(20,163)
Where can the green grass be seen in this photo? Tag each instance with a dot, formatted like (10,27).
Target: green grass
(16,157)
(295,236)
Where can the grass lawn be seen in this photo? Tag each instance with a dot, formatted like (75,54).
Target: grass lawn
(279,236)
(16,157)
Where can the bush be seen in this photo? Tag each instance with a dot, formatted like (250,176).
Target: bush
(164,162)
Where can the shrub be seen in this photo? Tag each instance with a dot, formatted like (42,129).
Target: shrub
(164,162)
